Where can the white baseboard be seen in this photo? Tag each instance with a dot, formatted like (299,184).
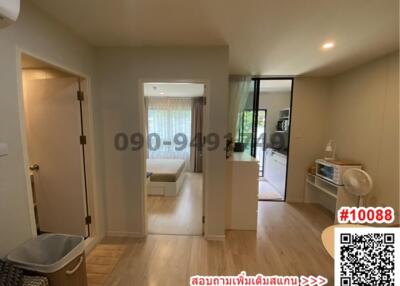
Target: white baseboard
(90,243)
(125,234)
(215,237)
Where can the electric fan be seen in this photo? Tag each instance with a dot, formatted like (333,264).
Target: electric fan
(357,182)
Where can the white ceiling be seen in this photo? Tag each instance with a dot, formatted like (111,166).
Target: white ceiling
(275,85)
(173,89)
(265,37)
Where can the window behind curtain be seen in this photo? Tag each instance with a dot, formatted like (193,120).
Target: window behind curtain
(169,120)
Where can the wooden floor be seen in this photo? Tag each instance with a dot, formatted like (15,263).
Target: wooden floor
(287,243)
(101,262)
(181,214)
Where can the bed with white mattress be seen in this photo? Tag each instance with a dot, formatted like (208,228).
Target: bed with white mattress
(167,176)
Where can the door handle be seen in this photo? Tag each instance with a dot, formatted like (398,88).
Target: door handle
(34,167)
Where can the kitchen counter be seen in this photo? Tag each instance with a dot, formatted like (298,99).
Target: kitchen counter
(275,170)
(241,192)
(280,152)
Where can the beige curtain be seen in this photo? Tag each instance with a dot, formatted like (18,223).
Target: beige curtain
(196,156)
(170,119)
(240,89)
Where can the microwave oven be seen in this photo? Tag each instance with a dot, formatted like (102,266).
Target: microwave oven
(333,171)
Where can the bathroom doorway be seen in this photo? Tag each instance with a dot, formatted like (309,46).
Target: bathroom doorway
(56,132)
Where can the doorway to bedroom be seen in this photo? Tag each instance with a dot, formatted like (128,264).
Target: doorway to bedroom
(174,123)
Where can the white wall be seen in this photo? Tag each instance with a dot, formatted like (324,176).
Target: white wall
(119,72)
(359,110)
(308,131)
(37,33)
(364,122)
(273,102)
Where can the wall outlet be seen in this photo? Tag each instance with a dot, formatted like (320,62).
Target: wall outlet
(3,149)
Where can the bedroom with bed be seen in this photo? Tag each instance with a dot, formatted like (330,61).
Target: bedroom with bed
(174,113)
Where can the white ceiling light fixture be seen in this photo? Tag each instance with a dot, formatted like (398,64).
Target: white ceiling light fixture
(328,45)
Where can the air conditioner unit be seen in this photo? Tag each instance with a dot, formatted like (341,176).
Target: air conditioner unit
(9,11)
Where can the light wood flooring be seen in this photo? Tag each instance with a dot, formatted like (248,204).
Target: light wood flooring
(287,243)
(181,214)
(101,262)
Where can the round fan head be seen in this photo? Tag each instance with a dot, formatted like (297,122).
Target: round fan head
(357,182)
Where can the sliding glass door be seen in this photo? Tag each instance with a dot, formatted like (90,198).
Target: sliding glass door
(272,135)
(246,129)
(247,121)
(261,143)
(246,134)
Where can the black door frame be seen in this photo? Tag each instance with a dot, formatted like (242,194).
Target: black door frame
(257,81)
(256,98)
(88,218)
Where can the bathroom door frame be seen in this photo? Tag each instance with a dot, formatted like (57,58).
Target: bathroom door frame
(90,158)
(257,81)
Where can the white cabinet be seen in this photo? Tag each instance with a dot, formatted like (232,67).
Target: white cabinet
(275,170)
(241,193)
(327,194)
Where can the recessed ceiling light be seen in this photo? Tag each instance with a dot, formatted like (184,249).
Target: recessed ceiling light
(162,93)
(328,45)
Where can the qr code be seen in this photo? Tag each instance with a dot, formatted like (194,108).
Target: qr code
(367,256)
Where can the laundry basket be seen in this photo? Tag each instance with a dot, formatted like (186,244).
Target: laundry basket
(58,257)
